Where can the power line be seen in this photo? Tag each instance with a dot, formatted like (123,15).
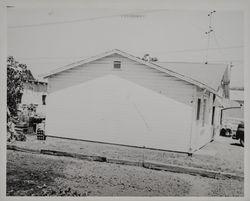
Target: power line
(62,22)
(210,60)
(203,49)
(217,43)
(211,30)
(227,61)
(61,58)
(69,21)
(134,14)
(220,49)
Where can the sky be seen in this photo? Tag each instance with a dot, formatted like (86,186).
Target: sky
(48,38)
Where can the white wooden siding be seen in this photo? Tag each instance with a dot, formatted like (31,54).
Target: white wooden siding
(136,105)
(130,70)
(112,109)
(203,131)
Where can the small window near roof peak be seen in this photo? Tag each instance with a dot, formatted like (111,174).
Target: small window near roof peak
(117,64)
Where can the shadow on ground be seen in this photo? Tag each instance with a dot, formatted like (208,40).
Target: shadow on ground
(236,144)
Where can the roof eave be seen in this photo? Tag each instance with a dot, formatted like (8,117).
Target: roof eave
(81,62)
(152,65)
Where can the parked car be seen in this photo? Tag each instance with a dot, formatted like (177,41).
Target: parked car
(229,126)
(231,117)
(240,134)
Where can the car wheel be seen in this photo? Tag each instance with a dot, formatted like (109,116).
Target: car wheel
(242,142)
(223,132)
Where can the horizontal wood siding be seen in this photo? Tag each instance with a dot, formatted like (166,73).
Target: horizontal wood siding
(130,70)
(136,105)
(204,130)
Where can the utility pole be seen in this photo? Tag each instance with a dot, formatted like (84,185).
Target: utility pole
(210,29)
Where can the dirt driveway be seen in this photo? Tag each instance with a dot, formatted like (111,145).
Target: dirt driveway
(41,175)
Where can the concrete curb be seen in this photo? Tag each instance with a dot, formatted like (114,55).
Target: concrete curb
(15,148)
(147,164)
(192,171)
(73,155)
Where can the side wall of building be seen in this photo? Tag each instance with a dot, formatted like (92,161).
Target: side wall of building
(135,105)
(130,70)
(33,94)
(205,119)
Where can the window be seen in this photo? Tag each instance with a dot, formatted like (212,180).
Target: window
(213,113)
(198,109)
(117,64)
(44,99)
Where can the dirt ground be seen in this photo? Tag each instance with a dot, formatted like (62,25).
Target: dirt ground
(223,154)
(42,175)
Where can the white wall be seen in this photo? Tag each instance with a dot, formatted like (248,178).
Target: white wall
(135,105)
(131,70)
(33,97)
(203,128)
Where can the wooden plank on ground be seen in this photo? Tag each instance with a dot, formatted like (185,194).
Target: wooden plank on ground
(73,155)
(124,162)
(15,148)
(91,158)
(192,171)
(57,153)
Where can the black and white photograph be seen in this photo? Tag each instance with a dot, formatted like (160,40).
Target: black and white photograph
(115,98)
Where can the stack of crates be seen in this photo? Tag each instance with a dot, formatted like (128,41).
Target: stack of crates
(40,134)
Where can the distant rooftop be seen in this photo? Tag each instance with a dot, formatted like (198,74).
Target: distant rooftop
(237,95)
(237,88)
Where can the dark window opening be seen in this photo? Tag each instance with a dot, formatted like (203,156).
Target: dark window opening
(117,64)
(198,109)
(214,96)
(44,99)
(213,112)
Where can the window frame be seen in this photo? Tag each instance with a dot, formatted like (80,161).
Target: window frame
(117,65)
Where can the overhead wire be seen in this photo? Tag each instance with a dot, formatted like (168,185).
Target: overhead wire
(126,14)
(207,49)
(84,19)
(162,52)
(218,45)
(61,22)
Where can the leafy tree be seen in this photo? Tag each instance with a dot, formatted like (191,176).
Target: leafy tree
(17,73)
(147,57)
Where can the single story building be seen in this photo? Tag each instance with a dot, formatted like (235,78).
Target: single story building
(34,93)
(32,103)
(118,98)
